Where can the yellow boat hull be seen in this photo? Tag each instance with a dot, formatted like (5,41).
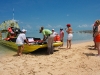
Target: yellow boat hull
(27,48)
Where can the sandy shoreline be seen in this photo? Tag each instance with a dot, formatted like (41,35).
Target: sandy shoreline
(80,60)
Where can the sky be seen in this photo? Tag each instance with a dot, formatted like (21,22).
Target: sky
(52,14)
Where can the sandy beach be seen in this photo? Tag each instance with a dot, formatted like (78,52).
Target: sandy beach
(80,60)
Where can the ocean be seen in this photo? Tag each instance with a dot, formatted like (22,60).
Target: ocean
(77,38)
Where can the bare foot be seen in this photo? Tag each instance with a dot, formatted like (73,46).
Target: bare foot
(16,55)
(19,54)
(67,48)
(94,48)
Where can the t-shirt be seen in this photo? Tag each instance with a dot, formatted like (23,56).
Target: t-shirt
(20,39)
(46,32)
(61,34)
(54,33)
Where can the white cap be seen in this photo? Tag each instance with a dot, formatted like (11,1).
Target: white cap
(52,29)
(24,30)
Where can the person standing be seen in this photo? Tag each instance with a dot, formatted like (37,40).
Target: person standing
(97,36)
(20,42)
(47,34)
(61,35)
(53,32)
(70,36)
(94,30)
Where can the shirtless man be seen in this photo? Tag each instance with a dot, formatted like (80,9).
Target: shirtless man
(70,36)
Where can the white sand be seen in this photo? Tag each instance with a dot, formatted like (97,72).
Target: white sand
(80,60)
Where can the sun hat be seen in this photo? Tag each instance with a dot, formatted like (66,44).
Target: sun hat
(68,25)
(24,30)
(41,29)
(61,28)
(52,29)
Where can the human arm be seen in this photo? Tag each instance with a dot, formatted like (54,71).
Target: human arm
(44,37)
(63,33)
(24,38)
(97,32)
(69,30)
(27,41)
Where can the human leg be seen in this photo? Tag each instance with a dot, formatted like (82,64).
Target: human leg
(69,39)
(98,48)
(21,50)
(94,43)
(62,42)
(52,48)
(69,44)
(50,44)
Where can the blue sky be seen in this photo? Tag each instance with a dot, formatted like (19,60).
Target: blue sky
(31,14)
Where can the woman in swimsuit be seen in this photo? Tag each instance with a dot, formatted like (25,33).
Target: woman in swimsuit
(70,36)
(97,36)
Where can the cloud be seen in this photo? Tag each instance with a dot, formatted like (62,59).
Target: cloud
(67,14)
(29,27)
(21,22)
(83,26)
(54,26)
(51,26)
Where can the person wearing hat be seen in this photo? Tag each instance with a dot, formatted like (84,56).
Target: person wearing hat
(47,34)
(53,32)
(61,35)
(70,36)
(20,41)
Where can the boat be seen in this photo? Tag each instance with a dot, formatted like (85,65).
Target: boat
(35,45)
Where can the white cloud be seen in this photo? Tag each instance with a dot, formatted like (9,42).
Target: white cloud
(83,26)
(28,26)
(54,26)
(51,26)
(21,22)
(67,14)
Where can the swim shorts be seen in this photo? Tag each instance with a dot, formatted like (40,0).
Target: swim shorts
(70,36)
(97,38)
(19,44)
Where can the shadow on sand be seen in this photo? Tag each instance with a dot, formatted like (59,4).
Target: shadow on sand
(42,51)
(91,47)
(89,54)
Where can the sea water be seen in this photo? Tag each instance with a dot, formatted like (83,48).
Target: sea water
(77,38)
(6,51)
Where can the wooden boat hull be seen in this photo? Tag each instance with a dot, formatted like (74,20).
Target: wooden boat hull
(27,48)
